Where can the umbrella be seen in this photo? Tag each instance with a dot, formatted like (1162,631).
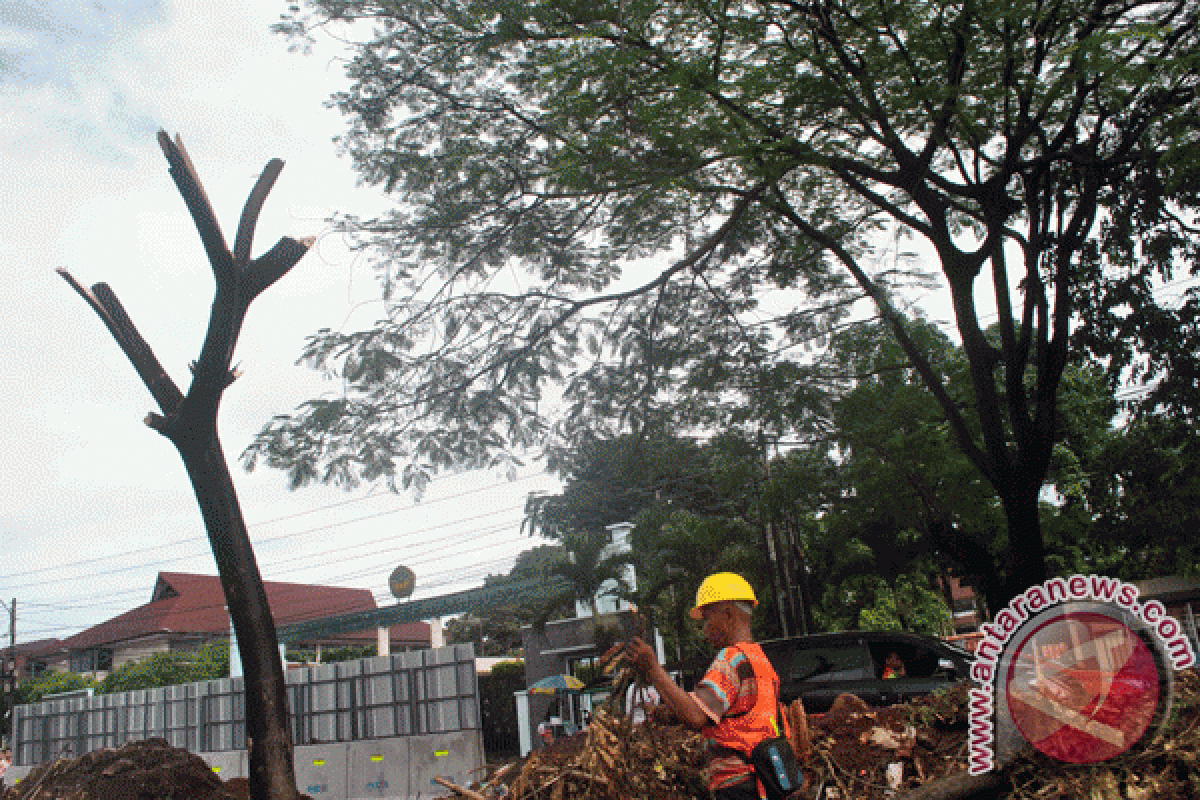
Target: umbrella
(557,683)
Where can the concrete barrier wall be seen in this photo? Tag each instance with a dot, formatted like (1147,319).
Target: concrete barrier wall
(321,770)
(399,768)
(227,765)
(377,727)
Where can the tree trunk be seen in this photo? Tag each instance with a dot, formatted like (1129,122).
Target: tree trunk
(268,733)
(1025,544)
(190,422)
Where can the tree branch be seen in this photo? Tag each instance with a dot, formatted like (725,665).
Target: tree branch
(112,314)
(253,207)
(184,174)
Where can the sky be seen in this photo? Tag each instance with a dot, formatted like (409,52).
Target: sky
(93,504)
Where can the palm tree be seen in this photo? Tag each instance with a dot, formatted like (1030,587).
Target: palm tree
(591,570)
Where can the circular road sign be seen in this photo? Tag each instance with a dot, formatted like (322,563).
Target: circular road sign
(402,582)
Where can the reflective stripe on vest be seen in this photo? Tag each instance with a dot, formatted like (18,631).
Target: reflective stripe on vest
(742,732)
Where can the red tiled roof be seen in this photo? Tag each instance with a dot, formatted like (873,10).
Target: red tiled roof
(35,648)
(184,603)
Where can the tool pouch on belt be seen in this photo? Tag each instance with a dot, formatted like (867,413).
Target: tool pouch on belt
(776,766)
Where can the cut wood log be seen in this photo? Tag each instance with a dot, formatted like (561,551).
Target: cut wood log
(959,786)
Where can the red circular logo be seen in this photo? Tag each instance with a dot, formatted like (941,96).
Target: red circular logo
(1083,687)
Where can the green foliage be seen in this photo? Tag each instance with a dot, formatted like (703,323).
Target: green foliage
(498,711)
(1137,504)
(170,669)
(51,682)
(508,669)
(908,606)
(746,159)
(333,655)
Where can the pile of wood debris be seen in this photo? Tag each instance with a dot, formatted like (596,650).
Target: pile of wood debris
(853,752)
(612,760)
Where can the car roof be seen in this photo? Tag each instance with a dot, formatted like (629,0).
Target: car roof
(867,637)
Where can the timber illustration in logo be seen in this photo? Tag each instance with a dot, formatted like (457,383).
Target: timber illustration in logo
(1083,687)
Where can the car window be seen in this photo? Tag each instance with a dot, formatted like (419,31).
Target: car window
(918,660)
(839,663)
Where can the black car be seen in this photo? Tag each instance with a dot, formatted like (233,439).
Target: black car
(818,668)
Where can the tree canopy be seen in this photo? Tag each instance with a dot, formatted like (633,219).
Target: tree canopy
(659,207)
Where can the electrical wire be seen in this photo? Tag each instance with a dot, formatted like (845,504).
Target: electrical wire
(204,538)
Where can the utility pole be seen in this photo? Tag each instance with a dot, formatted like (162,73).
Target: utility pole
(8,672)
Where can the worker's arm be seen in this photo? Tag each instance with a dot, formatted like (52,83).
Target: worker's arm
(682,703)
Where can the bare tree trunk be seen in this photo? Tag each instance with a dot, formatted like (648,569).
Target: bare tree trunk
(190,422)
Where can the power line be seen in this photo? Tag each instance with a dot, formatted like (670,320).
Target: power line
(448,577)
(260,542)
(194,539)
(449,549)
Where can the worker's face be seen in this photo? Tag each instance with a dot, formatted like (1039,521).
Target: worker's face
(718,624)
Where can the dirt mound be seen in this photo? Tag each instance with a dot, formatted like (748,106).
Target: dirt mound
(148,770)
(873,752)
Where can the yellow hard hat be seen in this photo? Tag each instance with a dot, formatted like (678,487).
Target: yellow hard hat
(722,586)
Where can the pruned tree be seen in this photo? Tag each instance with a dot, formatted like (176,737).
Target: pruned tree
(738,153)
(190,423)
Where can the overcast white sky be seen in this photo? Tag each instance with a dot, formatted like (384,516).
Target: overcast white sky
(93,503)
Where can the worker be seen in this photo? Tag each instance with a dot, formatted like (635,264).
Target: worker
(893,666)
(735,704)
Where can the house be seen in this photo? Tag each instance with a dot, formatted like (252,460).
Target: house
(187,611)
(28,658)
(1180,596)
(963,606)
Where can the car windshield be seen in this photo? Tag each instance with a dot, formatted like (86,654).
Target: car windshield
(827,663)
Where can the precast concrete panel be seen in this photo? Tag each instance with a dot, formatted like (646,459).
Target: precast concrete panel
(15,774)
(321,770)
(349,691)
(155,712)
(456,756)
(228,765)
(100,722)
(322,704)
(379,691)
(377,769)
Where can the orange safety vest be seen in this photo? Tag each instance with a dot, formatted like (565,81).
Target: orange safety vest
(742,732)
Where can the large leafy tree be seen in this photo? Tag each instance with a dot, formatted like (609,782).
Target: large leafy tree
(1135,507)
(747,154)
(908,495)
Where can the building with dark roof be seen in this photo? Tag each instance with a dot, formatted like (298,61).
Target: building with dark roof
(187,611)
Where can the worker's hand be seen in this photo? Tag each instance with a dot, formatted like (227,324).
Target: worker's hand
(642,656)
(610,654)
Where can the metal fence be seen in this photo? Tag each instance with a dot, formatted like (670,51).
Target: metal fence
(406,694)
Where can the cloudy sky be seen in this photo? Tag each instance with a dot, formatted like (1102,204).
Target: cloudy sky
(93,503)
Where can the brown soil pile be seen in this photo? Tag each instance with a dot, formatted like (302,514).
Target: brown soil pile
(860,752)
(149,770)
